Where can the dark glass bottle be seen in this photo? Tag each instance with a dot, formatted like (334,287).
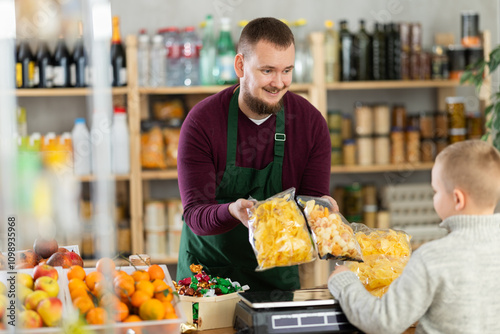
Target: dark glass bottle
(393,48)
(79,62)
(397,51)
(62,62)
(379,53)
(362,53)
(44,68)
(347,69)
(118,58)
(25,66)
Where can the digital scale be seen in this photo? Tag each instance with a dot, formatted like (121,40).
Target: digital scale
(299,311)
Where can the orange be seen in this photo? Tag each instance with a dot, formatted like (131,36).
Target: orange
(121,311)
(132,318)
(76,271)
(145,286)
(80,292)
(160,285)
(152,309)
(123,287)
(83,304)
(165,295)
(96,316)
(75,283)
(109,299)
(92,278)
(138,298)
(156,272)
(140,275)
(169,311)
(101,287)
(105,265)
(120,274)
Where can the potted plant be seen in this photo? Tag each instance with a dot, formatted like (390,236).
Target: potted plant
(474,75)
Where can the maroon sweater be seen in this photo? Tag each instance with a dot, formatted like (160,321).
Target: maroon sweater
(201,157)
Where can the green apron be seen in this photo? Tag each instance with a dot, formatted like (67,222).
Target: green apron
(230,255)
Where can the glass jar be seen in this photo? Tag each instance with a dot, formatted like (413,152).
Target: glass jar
(349,152)
(334,120)
(398,116)
(441,144)
(336,139)
(412,145)
(365,147)
(382,122)
(382,150)
(369,192)
(428,149)
(441,124)
(474,126)
(353,202)
(456,60)
(426,125)
(336,156)
(346,130)
(439,63)
(364,119)
(397,146)
(470,29)
(455,107)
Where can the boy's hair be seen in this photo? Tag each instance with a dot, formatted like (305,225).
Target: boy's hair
(265,29)
(474,167)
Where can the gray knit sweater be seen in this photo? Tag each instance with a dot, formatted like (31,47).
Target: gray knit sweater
(450,285)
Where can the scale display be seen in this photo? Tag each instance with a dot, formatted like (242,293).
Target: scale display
(297,298)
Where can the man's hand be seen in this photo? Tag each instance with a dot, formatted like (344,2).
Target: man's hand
(333,202)
(239,208)
(338,269)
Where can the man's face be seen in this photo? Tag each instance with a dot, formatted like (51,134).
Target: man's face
(267,76)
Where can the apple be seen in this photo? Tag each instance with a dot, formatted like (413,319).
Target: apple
(25,279)
(3,305)
(3,262)
(45,248)
(31,301)
(22,292)
(47,284)
(30,319)
(3,289)
(50,310)
(45,270)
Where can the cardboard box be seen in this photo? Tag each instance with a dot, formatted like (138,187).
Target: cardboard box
(213,312)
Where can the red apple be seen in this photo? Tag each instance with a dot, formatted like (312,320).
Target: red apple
(45,270)
(30,319)
(50,310)
(45,248)
(47,284)
(31,301)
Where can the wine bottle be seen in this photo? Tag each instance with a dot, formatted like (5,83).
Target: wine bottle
(44,66)
(118,58)
(79,64)
(61,64)
(25,66)
(379,53)
(362,53)
(347,69)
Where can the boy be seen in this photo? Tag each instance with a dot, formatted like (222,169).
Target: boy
(449,285)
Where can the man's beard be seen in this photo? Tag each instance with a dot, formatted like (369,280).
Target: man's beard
(260,107)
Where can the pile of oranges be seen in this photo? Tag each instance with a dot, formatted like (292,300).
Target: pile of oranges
(141,295)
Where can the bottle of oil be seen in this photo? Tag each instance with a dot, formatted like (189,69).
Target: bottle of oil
(347,69)
(118,58)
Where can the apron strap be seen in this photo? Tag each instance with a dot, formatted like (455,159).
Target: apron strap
(232,132)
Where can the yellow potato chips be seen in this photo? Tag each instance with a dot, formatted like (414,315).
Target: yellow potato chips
(384,241)
(278,232)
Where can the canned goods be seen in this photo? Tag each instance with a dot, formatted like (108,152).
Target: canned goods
(441,144)
(364,119)
(353,202)
(439,63)
(369,192)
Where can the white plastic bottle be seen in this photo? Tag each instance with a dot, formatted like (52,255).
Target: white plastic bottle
(82,151)
(120,143)
(158,62)
(143,58)
(190,57)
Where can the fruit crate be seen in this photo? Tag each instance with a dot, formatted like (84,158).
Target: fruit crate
(66,308)
(146,326)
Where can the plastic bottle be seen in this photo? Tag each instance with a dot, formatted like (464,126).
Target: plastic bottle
(190,58)
(120,142)
(82,151)
(303,58)
(143,58)
(158,61)
(225,54)
(331,53)
(173,45)
(208,54)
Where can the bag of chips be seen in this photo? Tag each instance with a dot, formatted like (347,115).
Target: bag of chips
(278,232)
(331,232)
(385,254)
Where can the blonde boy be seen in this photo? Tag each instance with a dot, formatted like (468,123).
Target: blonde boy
(450,285)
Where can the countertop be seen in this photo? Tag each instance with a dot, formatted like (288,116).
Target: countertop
(229,330)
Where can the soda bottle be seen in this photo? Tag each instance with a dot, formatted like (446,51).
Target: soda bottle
(331,53)
(173,45)
(118,57)
(44,66)
(190,58)
(225,54)
(208,53)
(120,143)
(143,58)
(82,151)
(158,61)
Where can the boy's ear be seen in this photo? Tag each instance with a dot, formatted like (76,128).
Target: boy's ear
(459,199)
(238,65)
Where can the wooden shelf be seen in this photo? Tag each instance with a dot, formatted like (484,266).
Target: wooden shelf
(58,92)
(89,178)
(394,84)
(167,174)
(204,89)
(404,167)
(164,260)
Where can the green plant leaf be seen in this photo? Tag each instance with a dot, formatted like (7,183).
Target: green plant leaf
(466,76)
(494,59)
(488,123)
(485,136)
(488,109)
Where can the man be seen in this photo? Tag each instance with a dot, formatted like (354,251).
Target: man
(252,140)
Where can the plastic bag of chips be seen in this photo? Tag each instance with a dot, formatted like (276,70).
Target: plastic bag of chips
(278,232)
(385,254)
(331,232)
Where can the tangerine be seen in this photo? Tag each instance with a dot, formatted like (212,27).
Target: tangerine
(120,274)
(75,283)
(83,304)
(152,309)
(169,311)
(96,316)
(140,275)
(132,318)
(80,292)
(92,278)
(105,265)
(138,298)
(160,285)
(165,295)
(156,272)
(76,271)
(121,311)
(123,288)
(145,286)
(108,299)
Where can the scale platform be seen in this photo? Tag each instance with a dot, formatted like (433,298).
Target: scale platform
(299,311)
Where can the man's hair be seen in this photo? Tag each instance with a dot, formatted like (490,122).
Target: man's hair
(266,29)
(474,167)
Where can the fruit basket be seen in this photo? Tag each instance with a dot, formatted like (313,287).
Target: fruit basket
(151,326)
